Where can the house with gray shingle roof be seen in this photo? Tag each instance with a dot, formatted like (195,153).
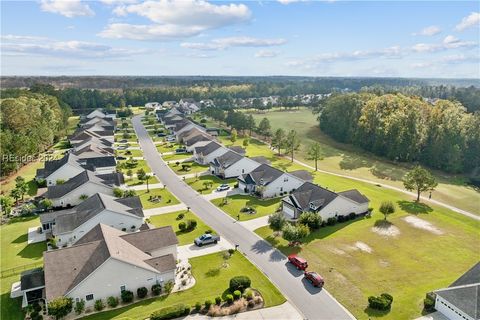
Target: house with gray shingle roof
(107,261)
(205,154)
(461,300)
(70,225)
(231,165)
(85,183)
(310,197)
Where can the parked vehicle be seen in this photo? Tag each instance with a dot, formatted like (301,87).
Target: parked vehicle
(181,150)
(121,158)
(299,263)
(223,187)
(170,139)
(161,134)
(315,279)
(206,239)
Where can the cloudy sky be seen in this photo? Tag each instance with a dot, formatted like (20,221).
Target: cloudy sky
(196,37)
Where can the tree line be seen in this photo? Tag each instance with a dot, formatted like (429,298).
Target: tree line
(441,135)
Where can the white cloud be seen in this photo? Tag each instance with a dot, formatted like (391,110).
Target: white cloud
(290,1)
(224,43)
(175,19)
(116,2)
(266,54)
(469,21)
(449,42)
(67,8)
(422,65)
(428,31)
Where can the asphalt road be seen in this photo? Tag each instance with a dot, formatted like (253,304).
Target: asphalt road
(311,302)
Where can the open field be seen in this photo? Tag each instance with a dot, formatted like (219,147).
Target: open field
(211,281)
(346,159)
(166,198)
(237,202)
(198,183)
(171,219)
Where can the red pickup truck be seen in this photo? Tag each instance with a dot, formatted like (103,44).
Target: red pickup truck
(299,263)
(314,278)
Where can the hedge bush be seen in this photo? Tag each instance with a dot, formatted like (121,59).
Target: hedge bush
(208,303)
(218,300)
(79,306)
(237,294)
(99,305)
(156,289)
(331,221)
(191,224)
(127,296)
(182,226)
(383,302)
(142,292)
(229,298)
(240,283)
(175,311)
(428,303)
(112,302)
(310,219)
(198,306)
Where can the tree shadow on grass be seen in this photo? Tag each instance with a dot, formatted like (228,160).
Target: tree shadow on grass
(383,224)
(376,313)
(414,207)
(33,251)
(21,239)
(212,272)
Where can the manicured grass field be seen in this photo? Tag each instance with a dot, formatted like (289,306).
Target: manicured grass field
(133,153)
(119,137)
(211,281)
(11,308)
(171,219)
(167,147)
(346,159)
(195,168)
(237,202)
(176,156)
(166,198)
(141,164)
(198,183)
(133,181)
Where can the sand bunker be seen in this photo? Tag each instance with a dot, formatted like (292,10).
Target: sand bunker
(390,231)
(422,224)
(363,246)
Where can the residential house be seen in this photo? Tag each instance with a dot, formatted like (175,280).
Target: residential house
(195,140)
(267,182)
(310,197)
(169,104)
(461,300)
(231,165)
(238,149)
(86,184)
(107,261)
(32,286)
(205,154)
(93,150)
(101,142)
(152,105)
(171,121)
(70,225)
(97,113)
(98,121)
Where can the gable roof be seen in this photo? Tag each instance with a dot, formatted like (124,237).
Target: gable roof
(97,162)
(227,159)
(354,195)
(80,179)
(302,174)
(262,175)
(66,268)
(101,151)
(237,149)
(152,239)
(197,138)
(261,160)
(309,193)
(53,165)
(208,148)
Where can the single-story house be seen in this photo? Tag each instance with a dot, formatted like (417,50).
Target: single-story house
(205,154)
(169,104)
(101,143)
(98,121)
(152,105)
(193,141)
(190,133)
(231,165)
(238,149)
(93,151)
(96,113)
(310,197)
(107,261)
(85,183)
(267,182)
(70,225)
(461,300)
(171,121)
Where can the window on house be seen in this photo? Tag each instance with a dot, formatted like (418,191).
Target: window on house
(285,179)
(89,297)
(123,288)
(243,170)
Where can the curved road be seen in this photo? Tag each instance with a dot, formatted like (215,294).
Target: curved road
(311,302)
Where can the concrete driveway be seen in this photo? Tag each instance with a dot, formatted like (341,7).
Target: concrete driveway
(190,250)
(313,305)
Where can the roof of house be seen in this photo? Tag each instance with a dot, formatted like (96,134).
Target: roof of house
(354,195)
(309,193)
(207,149)
(98,162)
(190,133)
(237,149)
(109,180)
(201,137)
(66,268)
(182,124)
(31,279)
(82,134)
(262,175)
(227,159)
(102,142)
(53,165)
(163,236)
(70,219)
(261,160)
(93,148)
(302,174)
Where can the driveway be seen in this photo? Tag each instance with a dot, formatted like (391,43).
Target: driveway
(313,304)
(190,250)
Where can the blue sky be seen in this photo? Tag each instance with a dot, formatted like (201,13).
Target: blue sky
(196,37)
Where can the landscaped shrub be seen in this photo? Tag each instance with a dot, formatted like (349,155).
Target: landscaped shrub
(156,289)
(37,307)
(34,314)
(168,286)
(229,298)
(180,216)
(79,306)
(352,215)
(383,302)
(182,226)
(191,224)
(249,295)
(208,303)
(218,300)
(60,307)
(142,292)
(237,294)
(239,283)
(112,302)
(231,251)
(99,305)
(310,219)
(208,231)
(428,303)
(175,311)
(341,219)
(198,306)
(127,296)
(331,221)
(184,282)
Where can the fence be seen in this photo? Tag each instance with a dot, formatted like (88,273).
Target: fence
(17,270)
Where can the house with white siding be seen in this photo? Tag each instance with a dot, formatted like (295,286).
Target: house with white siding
(96,113)
(231,165)
(310,197)
(205,154)
(85,184)
(266,181)
(70,225)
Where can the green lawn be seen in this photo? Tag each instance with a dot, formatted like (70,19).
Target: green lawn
(406,266)
(119,137)
(198,183)
(166,198)
(211,281)
(346,159)
(176,156)
(168,147)
(140,164)
(195,168)
(237,202)
(133,153)
(11,308)
(133,181)
(170,219)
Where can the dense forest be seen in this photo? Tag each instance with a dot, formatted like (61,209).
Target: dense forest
(441,135)
(30,123)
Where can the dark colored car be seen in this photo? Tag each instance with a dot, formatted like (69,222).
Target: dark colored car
(161,134)
(180,150)
(299,263)
(121,158)
(314,278)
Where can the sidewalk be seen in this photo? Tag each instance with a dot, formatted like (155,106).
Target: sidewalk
(162,210)
(144,186)
(255,223)
(221,194)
